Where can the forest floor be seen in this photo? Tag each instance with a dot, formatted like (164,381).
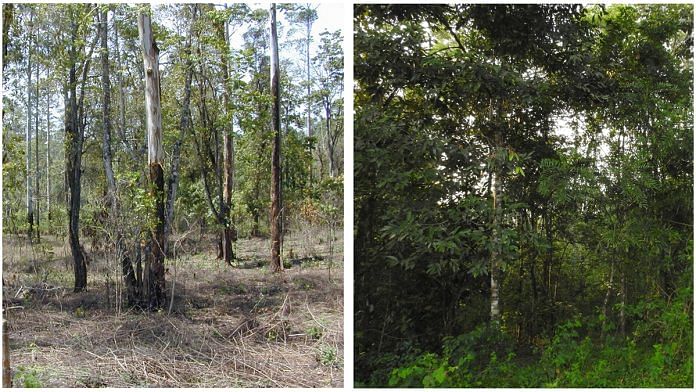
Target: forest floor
(229,326)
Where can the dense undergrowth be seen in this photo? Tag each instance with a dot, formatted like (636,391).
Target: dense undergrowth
(658,353)
(523,195)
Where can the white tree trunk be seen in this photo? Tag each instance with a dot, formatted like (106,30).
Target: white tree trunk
(153,279)
(495,254)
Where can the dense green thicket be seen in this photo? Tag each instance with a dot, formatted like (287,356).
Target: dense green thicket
(542,154)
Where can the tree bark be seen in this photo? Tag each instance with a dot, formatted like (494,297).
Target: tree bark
(308,25)
(37,173)
(228,155)
(330,140)
(74,132)
(30,204)
(495,253)
(154,271)
(6,370)
(276,263)
(48,157)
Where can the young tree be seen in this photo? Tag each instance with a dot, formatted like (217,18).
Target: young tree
(185,123)
(276,231)
(153,278)
(30,197)
(228,146)
(74,133)
(37,173)
(329,65)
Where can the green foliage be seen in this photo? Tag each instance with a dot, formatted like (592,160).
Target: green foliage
(482,358)
(328,356)
(27,378)
(583,117)
(315,332)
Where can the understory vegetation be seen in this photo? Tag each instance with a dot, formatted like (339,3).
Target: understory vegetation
(241,327)
(524,195)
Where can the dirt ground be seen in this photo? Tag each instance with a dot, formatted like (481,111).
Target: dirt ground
(236,326)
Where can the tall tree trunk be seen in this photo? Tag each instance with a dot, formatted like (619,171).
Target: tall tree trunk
(37,173)
(106,110)
(128,274)
(122,101)
(310,133)
(548,311)
(30,204)
(228,152)
(74,132)
(495,253)
(48,157)
(154,271)
(309,76)
(276,232)
(184,125)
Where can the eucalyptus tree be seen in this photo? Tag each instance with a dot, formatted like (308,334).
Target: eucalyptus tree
(153,278)
(329,68)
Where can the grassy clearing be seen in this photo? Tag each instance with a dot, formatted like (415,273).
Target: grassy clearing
(229,326)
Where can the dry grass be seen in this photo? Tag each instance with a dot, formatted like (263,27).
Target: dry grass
(229,327)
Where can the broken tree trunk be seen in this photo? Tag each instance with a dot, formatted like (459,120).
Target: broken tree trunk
(153,278)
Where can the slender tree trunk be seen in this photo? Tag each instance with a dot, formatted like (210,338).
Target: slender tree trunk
(184,125)
(276,231)
(532,277)
(548,265)
(128,274)
(30,204)
(495,254)
(48,157)
(74,133)
(228,152)
(622,311)
(106,110)
(154,272)
(37,173)
(122,101)
(309,77)
(310,132)
(6,370)
(329,141)
(605,304)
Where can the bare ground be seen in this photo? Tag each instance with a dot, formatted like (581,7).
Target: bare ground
(229,326)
